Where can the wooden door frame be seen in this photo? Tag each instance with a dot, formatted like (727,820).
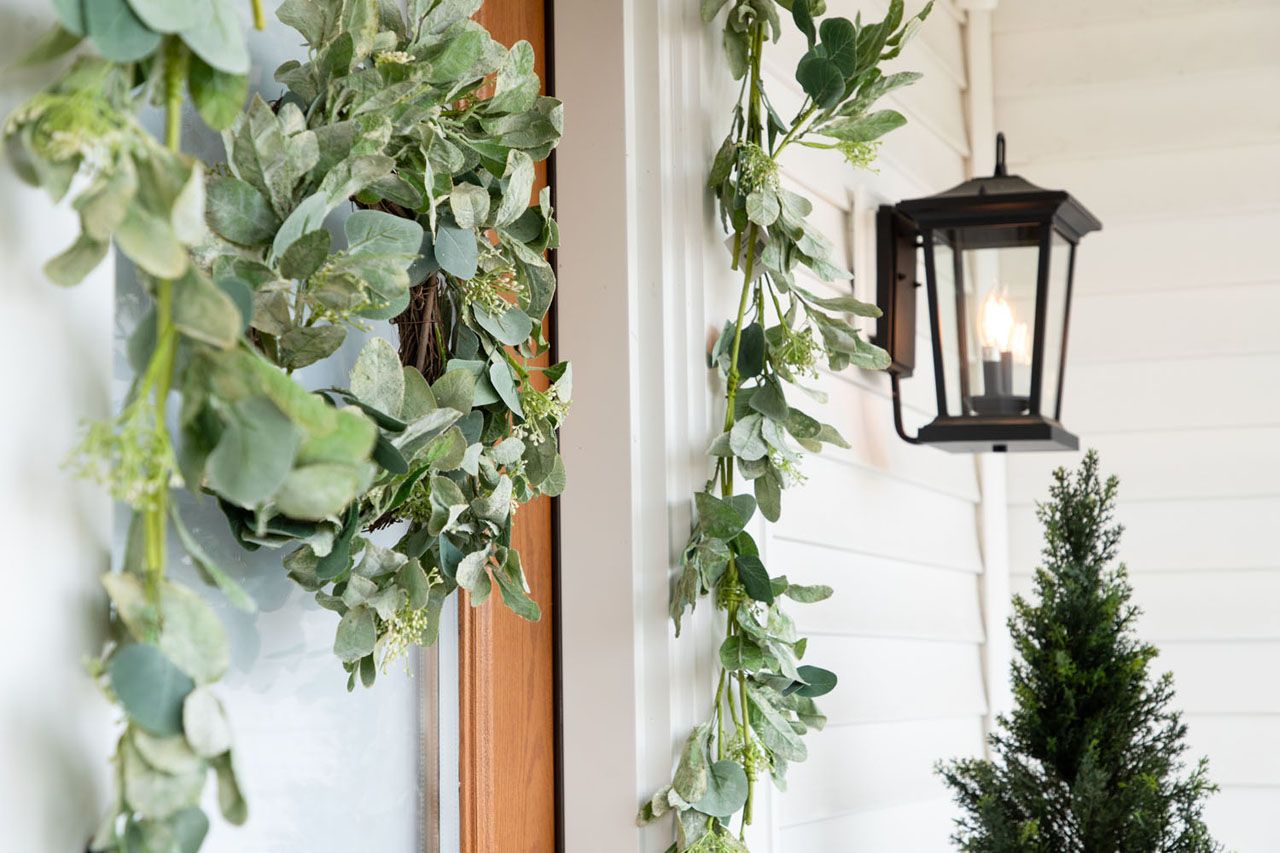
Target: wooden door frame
(509,670)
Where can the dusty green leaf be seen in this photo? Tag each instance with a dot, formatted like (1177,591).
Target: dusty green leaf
(152,793)
(150,688)
(230,800)
(808,594)
(306,254)
(378,377)
(378,233)
(255,454)
(754,578)
(718,518)
(691,776)
(470,205)
(763,207)
(741,653)
(504,382)
(239,213)
(818,682)
(204,312)
(118,33)
(821,80)
(515,588)
(82,258)
(726,790)
(519,186)
(149,241)
(165,16)
(304,345)
(512,327)
(356,636)
(216,37)
(317,492)
(863,128)
(456,250)
(205,723)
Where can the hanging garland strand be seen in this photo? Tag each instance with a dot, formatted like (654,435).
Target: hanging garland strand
(763,701)
(417,118)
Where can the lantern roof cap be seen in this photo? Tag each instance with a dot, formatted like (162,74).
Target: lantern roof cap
(1001,198)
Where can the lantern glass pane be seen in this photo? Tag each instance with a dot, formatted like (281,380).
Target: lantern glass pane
(1055,321)
(992,310)
(949,326)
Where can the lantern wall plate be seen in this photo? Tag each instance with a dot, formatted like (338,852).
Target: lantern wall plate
(998,257)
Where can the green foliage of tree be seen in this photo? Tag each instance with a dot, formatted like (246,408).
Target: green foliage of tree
(1090,760)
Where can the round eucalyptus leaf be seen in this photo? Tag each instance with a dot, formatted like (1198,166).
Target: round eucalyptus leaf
(151,792)
(456,251)
(117,32)
(166,16)
(150,688)
(71,14)
(189,827)
(172,755)
(819,682)
(821,80)
(205,723)
(217,38)
(726,790)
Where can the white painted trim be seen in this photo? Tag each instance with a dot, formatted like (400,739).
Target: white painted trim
(993,511)
(634,225)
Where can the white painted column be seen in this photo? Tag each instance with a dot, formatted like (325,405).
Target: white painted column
(992,468)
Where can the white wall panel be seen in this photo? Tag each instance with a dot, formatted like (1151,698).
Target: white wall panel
(876,766)
(888,679)
(1150,48)
(1212,462)
(1159,116)
(1233,108)
(909,826)
(1208,535)
(1171,253)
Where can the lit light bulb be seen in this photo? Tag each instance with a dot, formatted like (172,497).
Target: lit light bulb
(996,323)
(1020,346)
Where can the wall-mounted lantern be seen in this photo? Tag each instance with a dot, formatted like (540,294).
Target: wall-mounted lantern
(999,255)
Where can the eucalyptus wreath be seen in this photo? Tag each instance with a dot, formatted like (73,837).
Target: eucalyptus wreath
(764,698)
(414,113)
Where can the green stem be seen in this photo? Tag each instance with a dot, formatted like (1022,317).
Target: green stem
(155,520)
(795,131)
(259,17)
(754,133)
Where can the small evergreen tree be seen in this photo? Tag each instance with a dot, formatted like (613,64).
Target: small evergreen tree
(1091,759)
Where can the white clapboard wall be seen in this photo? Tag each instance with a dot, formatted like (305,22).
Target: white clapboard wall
(1162,117)
(893,528)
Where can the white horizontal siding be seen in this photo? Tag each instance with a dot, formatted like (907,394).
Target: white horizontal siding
(1153,49)
(1055,16)
(919,825)
(1179,535)
(854,769)
(1160,116)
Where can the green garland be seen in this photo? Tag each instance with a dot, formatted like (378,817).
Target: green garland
(763,702)
(247,287)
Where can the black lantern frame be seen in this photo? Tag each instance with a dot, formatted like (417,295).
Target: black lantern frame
(1004,213)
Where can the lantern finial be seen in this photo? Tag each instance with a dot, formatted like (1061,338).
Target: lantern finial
(1001,171)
